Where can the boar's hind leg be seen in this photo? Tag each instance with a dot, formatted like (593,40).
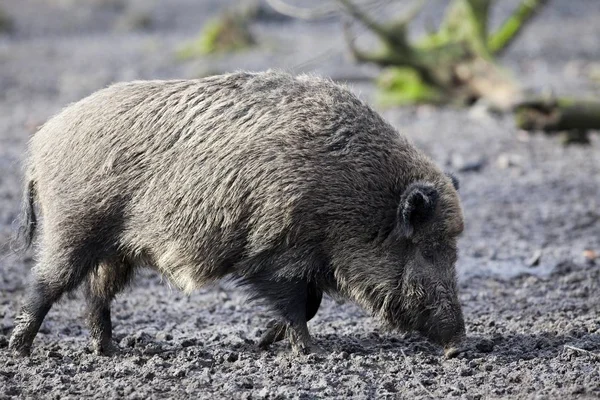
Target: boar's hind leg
(276,328)
(55,274)
(102,285)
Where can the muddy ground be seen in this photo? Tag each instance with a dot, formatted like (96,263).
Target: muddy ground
(524,195)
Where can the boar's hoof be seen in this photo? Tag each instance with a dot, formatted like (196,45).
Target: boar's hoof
(275,332)
(19,351)
(306,348)
(301,342)
(298,337)
(105,349)
(18,345)
(452,351)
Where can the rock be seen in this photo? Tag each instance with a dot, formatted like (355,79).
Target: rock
(188,342)
(590,255)
(140,339)
(148,376)
(534,260)
(53,354)
(164,336)
(485,346)
(390,386)
(464,164)
(505,161)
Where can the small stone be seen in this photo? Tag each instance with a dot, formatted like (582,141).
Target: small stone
(263,393)
(12,391)
(232,357)
(180,373)
(390,386)
(590,255)
(542,343)
(508,160)
(534,260)
(53,354)
(498,391)
(140,339)
(563,268)
(148,376)
(164,336)
(523,136)
(188,342)
(485,346)
(153,348)
(7,374)
(247,384)
(578,390)
(462,164)
(139,360)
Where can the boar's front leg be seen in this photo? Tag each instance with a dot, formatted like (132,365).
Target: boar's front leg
(102,286)
(276,329)
(289,300)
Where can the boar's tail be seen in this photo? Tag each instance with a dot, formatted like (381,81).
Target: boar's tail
(29,219)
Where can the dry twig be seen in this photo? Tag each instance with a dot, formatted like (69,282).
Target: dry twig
(413,373)
(583,351)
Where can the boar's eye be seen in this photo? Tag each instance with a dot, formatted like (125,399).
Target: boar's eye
(428,253)
(417,206)
(442,251)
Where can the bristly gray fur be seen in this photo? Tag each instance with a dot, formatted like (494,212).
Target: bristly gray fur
(26,232)
(277,181)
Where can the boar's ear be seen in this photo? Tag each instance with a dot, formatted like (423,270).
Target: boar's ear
(455,181)
(417,206)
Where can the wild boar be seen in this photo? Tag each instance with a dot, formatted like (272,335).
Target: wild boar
(291,186)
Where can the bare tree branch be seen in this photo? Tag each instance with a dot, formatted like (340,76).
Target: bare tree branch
(367,21)
(412,13)
(303,13)
(513,25)
(362,56)
(325,11)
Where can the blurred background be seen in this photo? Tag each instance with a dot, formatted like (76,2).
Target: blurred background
(505,94)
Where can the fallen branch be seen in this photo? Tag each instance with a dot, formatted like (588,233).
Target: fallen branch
(555,115)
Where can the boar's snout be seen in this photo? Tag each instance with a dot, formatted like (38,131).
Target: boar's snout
(445,326)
